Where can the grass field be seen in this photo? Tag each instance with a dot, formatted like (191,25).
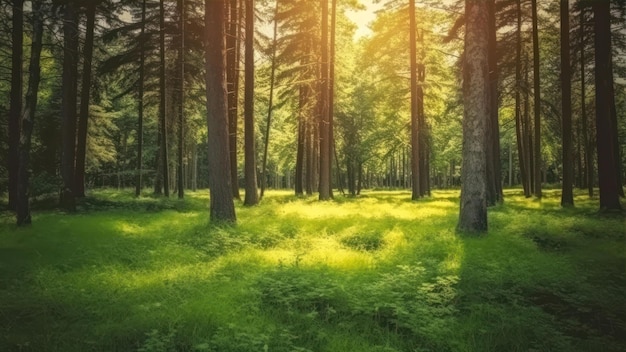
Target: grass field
(375,273)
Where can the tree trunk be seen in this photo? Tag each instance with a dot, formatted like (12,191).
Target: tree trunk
(142,54)
(232,77)
(15,109)
(83,118)
(607,168)
(537,101)
(222,207)
(567,196)
(415,150)
(473,213)
(68,108)
(30,106)
(270,107)
(301,146)
(324,123)
(181,107)
(163,125)
(519,123)
(331,96)
(583,108)
(494,176)
(252,196)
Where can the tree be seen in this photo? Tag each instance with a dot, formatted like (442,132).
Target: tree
(494,178)
(270,106)
(233,35)
(30,106)
(324,122)
(181,107)
(83,117)
(567,196)
(252,197)
(162,123)
(68,113)
(140,101)
(415,150)
(537,103)
(222,207)
(607,168)
(473,213)
(15,109)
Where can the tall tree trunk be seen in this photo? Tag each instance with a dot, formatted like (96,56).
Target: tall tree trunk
(415,150)
(142,54)
(422,131)
(30,106)
(181,107)
(252,196)
(68,108)
(232,77)
(222,207)
(537,101)
(270,107)
(473,213)
(331,95)
(528,138)
(615,134)
(83,117)
(301,145)
(583,107)
(494,177)
(15,109)
(607,168)
(567,196)
(324,125)
(163,125)
(519,123)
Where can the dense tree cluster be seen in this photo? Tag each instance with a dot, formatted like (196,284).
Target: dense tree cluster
(476,94)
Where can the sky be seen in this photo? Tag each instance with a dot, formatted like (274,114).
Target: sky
(364,18)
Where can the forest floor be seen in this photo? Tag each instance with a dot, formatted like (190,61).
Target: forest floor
(374,273)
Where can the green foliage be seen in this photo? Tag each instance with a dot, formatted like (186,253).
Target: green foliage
(368,274)
(158,342)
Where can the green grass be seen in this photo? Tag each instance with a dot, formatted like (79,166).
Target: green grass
(375,273)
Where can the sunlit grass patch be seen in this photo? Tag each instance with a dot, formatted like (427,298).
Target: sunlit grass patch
(373,273)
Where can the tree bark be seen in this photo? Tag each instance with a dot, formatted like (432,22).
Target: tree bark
(324,123)
(68,105)
(83,117)
(15,109)
(270,107)
(607,168)
(537,101)
(252,196)
(567,196)
(222,207)
(181,107)
(142,54)
(415,140)
(232,77)
(494,167)
(519,123)
(583,107)
(162,123)
(473,213)
(30,106)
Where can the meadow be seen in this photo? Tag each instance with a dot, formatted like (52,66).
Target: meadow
(377,273)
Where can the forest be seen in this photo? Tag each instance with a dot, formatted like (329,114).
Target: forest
(319,175)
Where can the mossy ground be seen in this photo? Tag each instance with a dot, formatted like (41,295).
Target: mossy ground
(374,273)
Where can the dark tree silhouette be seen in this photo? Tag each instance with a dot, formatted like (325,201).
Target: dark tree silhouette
(605,102)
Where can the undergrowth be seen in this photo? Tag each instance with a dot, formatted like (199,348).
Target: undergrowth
(369,274)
